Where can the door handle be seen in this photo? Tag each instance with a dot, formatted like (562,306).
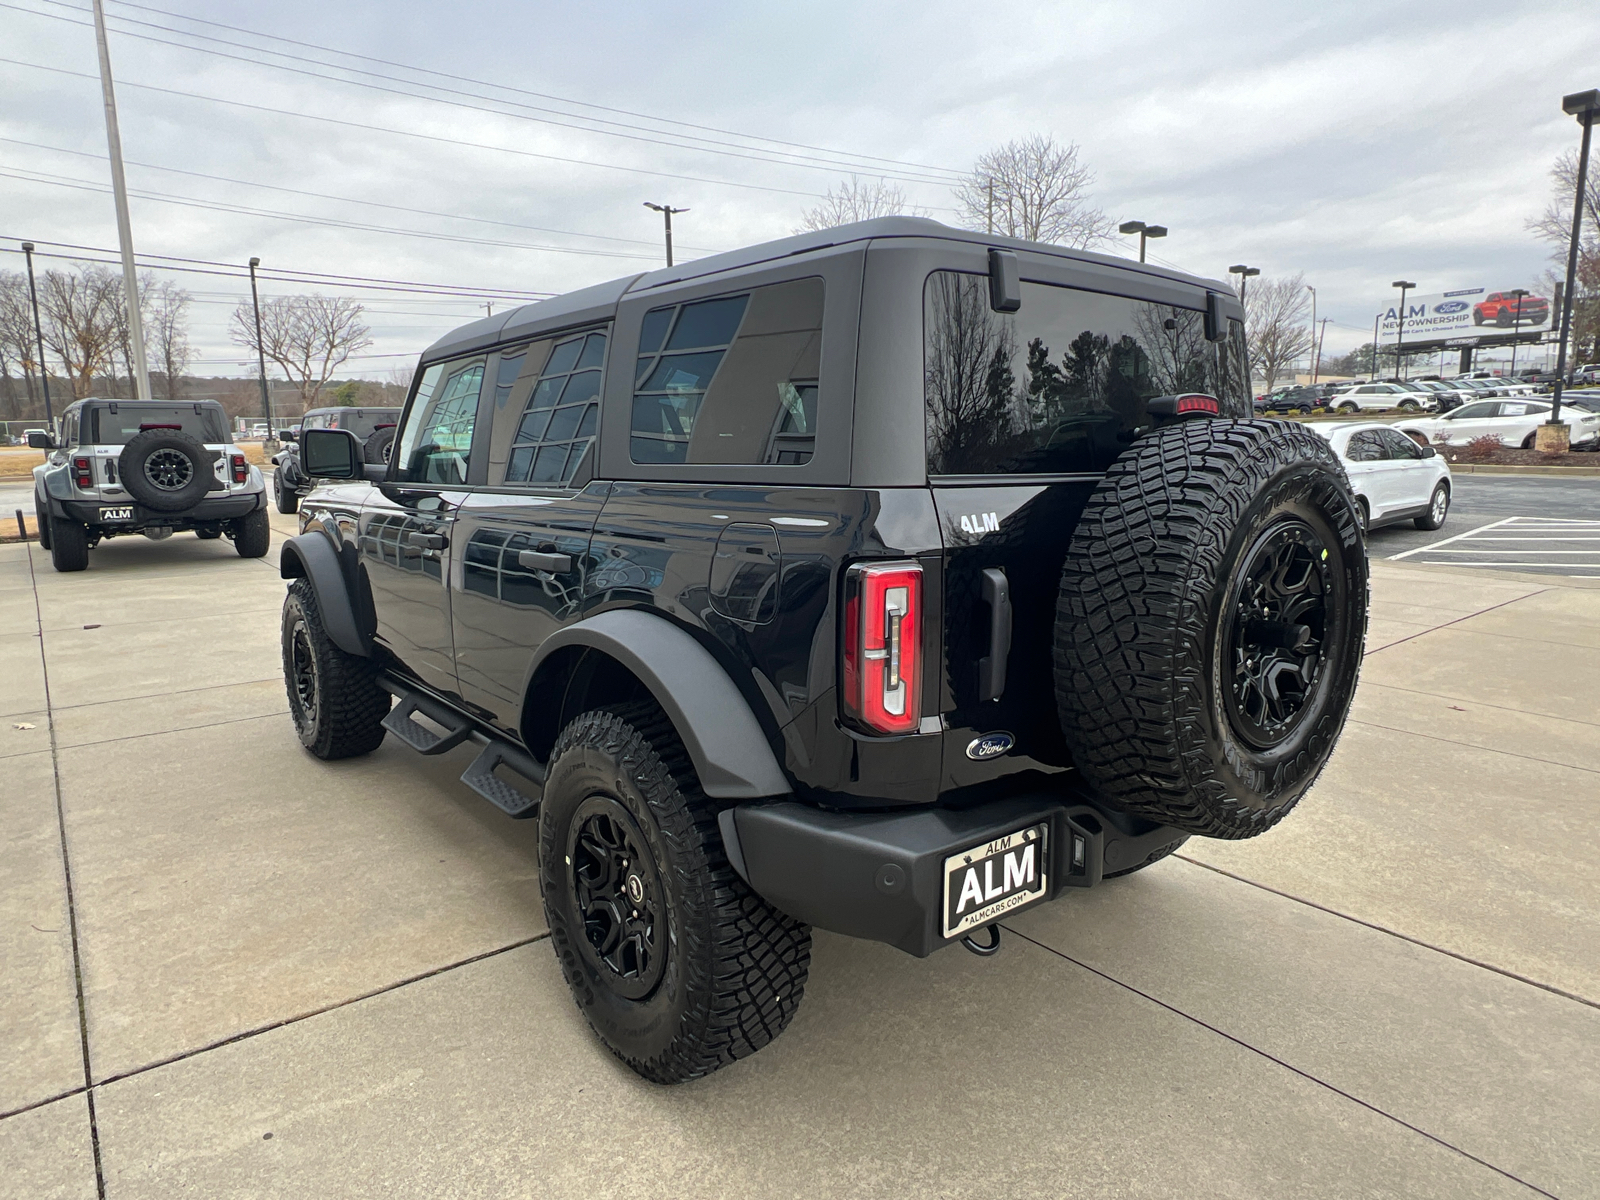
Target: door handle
(992,667)
(424,543)
(538,560)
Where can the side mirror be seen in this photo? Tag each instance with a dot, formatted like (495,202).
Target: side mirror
(331,454)
(39,440)
(1005,282)
(286,435)
(1216,324)
(1428,452)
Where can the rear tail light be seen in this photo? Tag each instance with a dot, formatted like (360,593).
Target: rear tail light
(883,646)
(241,469)
(83,472)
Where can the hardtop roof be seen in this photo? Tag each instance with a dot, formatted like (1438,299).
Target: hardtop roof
(599,301)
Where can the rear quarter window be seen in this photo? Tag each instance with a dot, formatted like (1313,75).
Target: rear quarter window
(1061,386)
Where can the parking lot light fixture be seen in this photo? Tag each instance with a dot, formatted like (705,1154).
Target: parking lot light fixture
(1585,106)
(1404,285)
(1244,273)
(666,210)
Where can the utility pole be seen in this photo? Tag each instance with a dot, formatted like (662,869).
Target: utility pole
(1321,338)
(261,351)
(1375,321)
(1314,355)
(119,188)
(488,307)
(1585,106)
(666,210)
(38,332)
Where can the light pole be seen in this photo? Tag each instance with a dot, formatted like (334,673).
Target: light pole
(1404,285)
(1144,231)
(666,210)
(261,352)
(38,332)
(1516,294)
(119,189)
(1586,107)
(1314,355)
(1244,273)
(1375,320)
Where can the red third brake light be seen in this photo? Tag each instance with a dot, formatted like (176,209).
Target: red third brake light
(241,469)
(1198,402)
(883,646)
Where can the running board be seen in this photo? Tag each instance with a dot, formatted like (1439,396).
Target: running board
(420,739)
(512,801)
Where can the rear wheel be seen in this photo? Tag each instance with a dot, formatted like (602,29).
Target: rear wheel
(1408,406)
(288,500)
(676,964)
(1438,509)
(252,534)
(334,698)
(1154,858)
(41,519)
(1348,407)
(69,544)
(1210,622)
(1528,442)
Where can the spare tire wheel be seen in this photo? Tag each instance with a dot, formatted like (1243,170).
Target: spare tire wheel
(1210,623)
(166,469)
(378,445)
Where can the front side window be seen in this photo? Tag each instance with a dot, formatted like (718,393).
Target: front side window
(1473,412)
(1398,445)
(1060,386)
(730,380)
(437,438)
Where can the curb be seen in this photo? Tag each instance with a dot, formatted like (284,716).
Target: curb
(1512,469)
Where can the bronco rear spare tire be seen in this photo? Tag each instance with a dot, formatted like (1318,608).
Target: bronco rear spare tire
(166,469)
(1210,624)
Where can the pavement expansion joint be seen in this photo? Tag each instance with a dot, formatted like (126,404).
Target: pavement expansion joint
(1433,737)
(1287,1066)
(133,737)
(1457,621)
(1395,933)
(210,687)
(1479,703)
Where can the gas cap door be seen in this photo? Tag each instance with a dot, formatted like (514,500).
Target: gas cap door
(745,573)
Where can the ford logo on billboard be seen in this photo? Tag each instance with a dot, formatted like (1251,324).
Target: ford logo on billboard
(1451,306)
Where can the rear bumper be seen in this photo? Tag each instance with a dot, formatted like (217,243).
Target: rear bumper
(880,876)
(212,508)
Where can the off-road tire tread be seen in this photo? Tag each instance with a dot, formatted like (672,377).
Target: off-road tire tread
(354,702)
(69,545)
(252,536)
(41,519)
(1132,615)
(759,957)
(286,498)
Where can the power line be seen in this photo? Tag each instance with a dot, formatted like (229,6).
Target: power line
(845,154)
(806,162)
(426,137)
(425,212)
(87,185)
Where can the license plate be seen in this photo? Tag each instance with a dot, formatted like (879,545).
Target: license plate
(122,512)
(998,877)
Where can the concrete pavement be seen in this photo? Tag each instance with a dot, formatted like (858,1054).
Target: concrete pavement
(302,979)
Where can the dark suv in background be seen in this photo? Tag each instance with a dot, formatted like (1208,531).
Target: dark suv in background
(373,427)
(888,579)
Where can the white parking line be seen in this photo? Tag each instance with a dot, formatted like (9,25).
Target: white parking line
(1448,540)
(1547,543)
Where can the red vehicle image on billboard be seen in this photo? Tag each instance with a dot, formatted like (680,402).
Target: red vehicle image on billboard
(1506,309)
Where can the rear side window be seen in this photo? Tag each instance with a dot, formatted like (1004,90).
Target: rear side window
(730,380)
(1060,386)
(437,438)
(117,428)
(1366,446)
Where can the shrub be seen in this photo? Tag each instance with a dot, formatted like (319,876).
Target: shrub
(1481,448)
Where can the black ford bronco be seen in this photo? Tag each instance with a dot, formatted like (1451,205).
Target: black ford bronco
(153,467)
(889,579)
(373,426)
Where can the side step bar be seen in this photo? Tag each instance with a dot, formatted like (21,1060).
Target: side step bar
(514,801)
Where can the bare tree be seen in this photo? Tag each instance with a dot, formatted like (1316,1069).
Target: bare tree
(1275,322)
(309,337)
(858,200)
(168,331)
(1035,189)
(1554,225)
(17,346)
(123,347)
(81,326)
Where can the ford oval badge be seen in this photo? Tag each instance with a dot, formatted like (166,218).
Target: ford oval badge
(1451,306)
(990,745)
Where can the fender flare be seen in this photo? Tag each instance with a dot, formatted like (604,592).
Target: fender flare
(311,556)
(725,742)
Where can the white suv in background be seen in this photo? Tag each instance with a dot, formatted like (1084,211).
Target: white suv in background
(1366,397)
(1394,479)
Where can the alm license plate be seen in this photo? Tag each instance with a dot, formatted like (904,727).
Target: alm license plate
(998,877)
(123,512)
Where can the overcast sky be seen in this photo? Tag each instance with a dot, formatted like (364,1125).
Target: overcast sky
(1358,144)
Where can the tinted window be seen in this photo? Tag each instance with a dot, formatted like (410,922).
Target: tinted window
(1399,445)
(1062,385)
(546,408)
(437,438)
(730,380)
(363,422)
(1473,411)
(109,428)
(1366,446)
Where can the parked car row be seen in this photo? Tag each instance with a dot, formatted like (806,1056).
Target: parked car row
(1514,422)
(1427,394)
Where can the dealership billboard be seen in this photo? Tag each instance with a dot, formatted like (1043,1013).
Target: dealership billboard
(1463,314)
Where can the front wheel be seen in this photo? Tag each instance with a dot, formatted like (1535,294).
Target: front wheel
(41,519)
(69,544)
(1348,407)
(676,964)
(334,698)
(1210,623)
(287,499)
(1438,509)
(1408,406)
(252,535)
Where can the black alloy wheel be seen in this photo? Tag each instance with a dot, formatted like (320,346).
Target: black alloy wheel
(335,701)
(170,470)
(617,890)
(301,675)
(1277,627)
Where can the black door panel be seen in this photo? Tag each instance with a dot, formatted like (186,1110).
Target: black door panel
(405,547)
